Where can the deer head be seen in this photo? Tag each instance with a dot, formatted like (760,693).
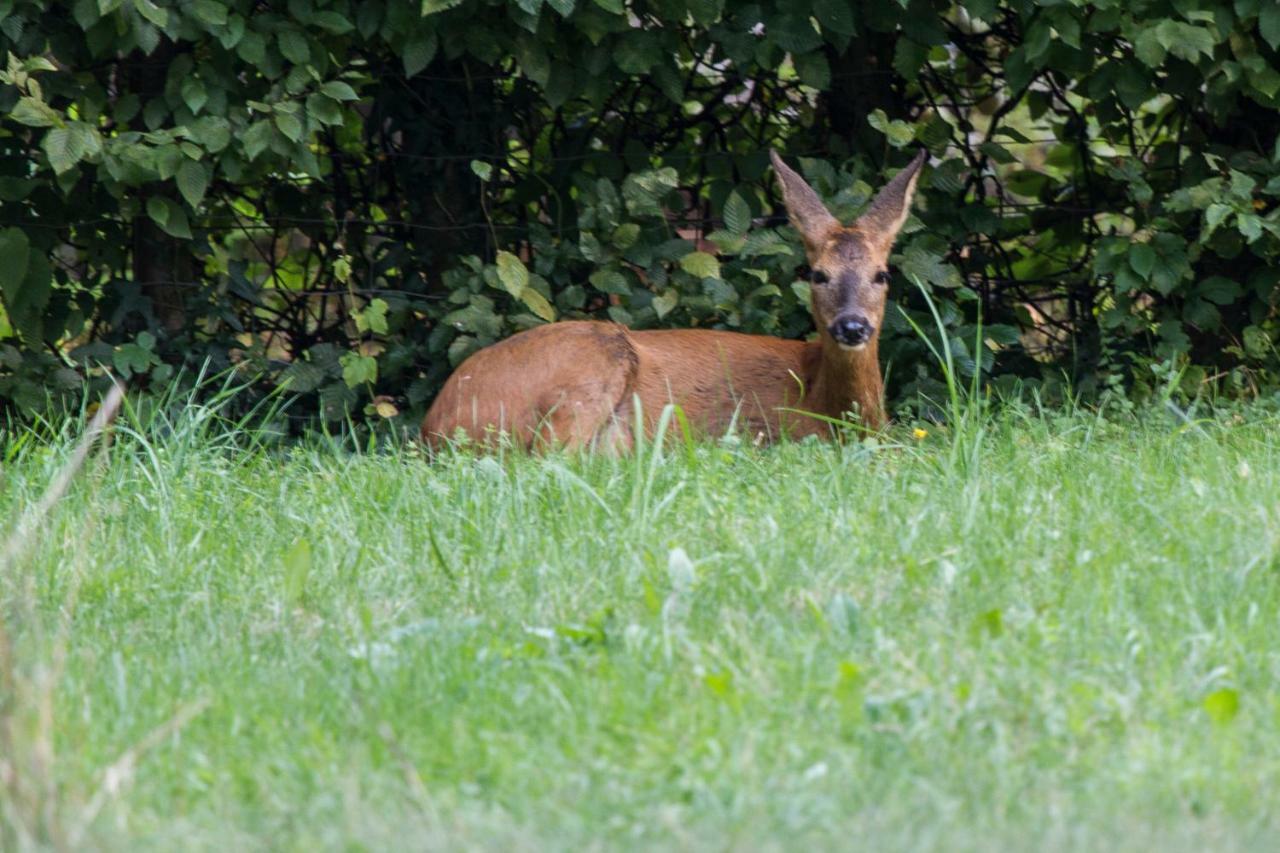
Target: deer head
(848,264)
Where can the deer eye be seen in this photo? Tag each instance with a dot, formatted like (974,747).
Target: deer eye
(819,277)
(882,277)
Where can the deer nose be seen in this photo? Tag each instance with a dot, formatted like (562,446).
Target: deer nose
(851,331)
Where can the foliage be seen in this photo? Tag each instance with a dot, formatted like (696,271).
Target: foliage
(349,198)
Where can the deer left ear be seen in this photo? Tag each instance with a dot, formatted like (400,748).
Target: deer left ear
(886,214)
(808,215)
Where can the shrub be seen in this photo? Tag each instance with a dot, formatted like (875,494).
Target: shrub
(350,197)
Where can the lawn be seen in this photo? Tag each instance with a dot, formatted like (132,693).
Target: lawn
(1056,631)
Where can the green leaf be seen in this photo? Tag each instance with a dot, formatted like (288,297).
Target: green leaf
(152,13)
(590,247)
(1266,81)
(533,59)
(636,52)
(926,266)
(1249,225)
(643,192)
(193,180)
(763,243)
(27,308)
(63,148)
(15,251)
(610,281)
(372,318)
(323,110)
(617,7)
(998,152)
(835,16)
(667,78)
(1134,85)
(477,316)
(1143,259)
(358,369)
(512,273)
(252,48)
(909,57)
(794,33)
(430,7)
(1219,290)
(1165,276)
(33,64)
(87,136)
(419,52)
(1269,23)
(34,113)
(665,303)
(134,358)
(737,213)
(1215,214)
(1026,182)
(1257,343)
(1201,314)
(564,7)
(332,22)
(256,139)
(625,235)
(899,133)
(169,215)
(1189,42)
(294,47)
(210,11)
(193,93)
(705,12)
(147,36)
(1037,39)
(1222,705)
(701,264)
(290,125)
(538,304)
(303,377)
(339,91)
(813,70)
(85,13)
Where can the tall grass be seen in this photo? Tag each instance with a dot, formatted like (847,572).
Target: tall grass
(967,408)
(1058,635)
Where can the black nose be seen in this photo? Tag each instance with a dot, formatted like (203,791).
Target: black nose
(851,331)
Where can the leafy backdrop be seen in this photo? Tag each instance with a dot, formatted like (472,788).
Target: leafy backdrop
(350,197)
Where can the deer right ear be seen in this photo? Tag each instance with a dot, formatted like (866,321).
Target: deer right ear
(806,211)
(887,213)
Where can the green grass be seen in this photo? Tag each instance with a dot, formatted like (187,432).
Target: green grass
(1063,637)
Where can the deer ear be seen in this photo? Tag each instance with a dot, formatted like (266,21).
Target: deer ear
(886,214)
(807,212)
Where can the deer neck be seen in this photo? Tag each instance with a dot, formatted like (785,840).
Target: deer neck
(848,380)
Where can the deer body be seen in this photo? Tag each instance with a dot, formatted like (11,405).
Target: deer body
(576,383)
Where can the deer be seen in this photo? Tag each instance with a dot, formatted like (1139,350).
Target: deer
(592,384)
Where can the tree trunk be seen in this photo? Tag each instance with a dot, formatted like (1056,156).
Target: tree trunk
(862,79)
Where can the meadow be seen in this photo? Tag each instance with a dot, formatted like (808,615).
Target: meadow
(1042,630)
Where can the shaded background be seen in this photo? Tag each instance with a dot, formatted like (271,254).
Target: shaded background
(318,192)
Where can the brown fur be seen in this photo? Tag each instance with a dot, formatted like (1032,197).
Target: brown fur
(575,383)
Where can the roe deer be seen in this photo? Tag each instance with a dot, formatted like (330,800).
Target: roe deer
(574,382)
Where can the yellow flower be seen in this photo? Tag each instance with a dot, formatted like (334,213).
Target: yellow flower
(919,433)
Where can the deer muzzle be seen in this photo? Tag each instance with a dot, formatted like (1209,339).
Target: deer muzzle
(851,330)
